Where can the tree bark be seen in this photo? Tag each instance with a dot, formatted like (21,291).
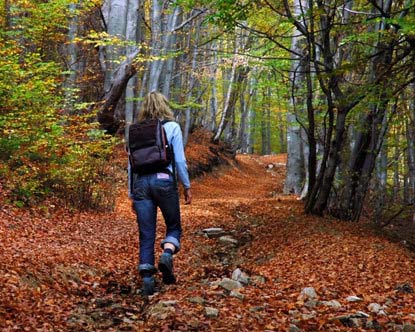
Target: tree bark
(321,199)
(243,125)
(410,134)
(132,35)
(116,25)
(171,60)
(162,33)
(72,62)
(227,103)
(282,135)
(248,146)
(396,180)
(191,86)
(369,140)
(381,179)
(106,111)
(295,159)
(156,35)
(213,100)
(265,124)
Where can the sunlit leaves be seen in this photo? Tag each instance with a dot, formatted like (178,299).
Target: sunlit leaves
(227,12)
(102,38)
(39,22)
(43,150)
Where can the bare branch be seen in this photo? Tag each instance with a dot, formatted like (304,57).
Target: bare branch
(191,18)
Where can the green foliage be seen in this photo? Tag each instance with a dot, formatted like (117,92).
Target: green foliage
(67,158)
(228,12)
(82,175)
(182,107)
(43,151)
(40,24)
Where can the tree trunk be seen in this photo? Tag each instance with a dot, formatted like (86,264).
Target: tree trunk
(156,35)
(106,111)
(213,100)
(237,75)
(162,33)
(282,136)
(306,156)
(410,134)
(70,85)
(265,120)
(249,145)
(171,60)
(227,107)
(310,147)
(132,36)
(369,140)
(295,158)
(321,199)
(244,106)
(116,24)
(191,86)
(396,180)
(268,122)
(381,178)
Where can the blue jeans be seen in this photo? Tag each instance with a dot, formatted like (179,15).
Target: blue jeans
(149,192)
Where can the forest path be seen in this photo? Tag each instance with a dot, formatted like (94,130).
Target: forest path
(77,272)
(283,251)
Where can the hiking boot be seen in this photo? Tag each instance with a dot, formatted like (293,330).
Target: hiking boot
(166,268)
(148,285)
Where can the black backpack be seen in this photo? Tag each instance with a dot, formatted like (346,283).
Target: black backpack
(149,150)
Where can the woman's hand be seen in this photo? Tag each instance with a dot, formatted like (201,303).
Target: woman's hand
(187,196)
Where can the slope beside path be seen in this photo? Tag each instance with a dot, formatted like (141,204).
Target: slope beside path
(251,261)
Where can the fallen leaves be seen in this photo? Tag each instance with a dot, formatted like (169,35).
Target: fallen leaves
(77,272)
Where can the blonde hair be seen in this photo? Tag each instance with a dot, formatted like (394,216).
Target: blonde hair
(155,106)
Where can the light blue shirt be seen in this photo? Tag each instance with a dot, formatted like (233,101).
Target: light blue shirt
(175,139)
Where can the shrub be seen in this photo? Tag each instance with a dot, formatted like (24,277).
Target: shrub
(44,151)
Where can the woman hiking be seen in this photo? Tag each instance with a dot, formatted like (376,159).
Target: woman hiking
(157,188)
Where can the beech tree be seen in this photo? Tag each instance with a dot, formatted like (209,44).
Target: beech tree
(410,135)
(295,157)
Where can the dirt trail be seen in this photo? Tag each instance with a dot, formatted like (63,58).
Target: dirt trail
(283,251)
(77,273)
